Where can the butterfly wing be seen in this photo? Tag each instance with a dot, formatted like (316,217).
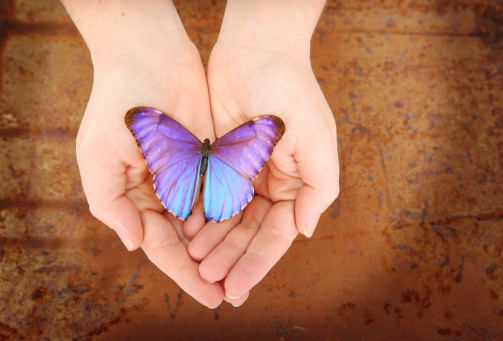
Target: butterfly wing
(173,155)
(235,161)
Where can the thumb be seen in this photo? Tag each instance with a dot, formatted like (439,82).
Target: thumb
(121,215)
(104,182)
(310,204)
(318,165)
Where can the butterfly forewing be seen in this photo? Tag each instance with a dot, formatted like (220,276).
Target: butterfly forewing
(173,155)
(235,160)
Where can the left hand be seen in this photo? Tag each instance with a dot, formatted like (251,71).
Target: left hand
(299,181)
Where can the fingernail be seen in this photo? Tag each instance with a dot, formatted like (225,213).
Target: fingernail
(208,282)
(128,243)
(308,232)
(237,305)
(231,297)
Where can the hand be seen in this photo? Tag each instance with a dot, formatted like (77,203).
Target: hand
(249,76)
(161,68)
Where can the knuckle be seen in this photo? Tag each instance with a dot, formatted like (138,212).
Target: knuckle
(96,212)
(100,213)
(330,191)
(83,153)
(334,193)
(156,248)
(250,222)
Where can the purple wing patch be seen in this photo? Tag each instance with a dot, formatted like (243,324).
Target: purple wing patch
(235,160)
(173,155)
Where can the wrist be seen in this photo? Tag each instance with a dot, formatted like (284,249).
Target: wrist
(115,28)
(271,25)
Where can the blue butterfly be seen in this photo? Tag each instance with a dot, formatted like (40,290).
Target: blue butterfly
(178,159)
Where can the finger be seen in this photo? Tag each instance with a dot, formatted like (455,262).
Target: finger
(238,302)
(260,185)
(271,242)
(318,165)
(177,226)
(168,253)
(220,261)
(195,221)
(210,236)
(104,183)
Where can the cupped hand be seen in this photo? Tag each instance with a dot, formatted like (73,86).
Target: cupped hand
(300,179)
(115,177)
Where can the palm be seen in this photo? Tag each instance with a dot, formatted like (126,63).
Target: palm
(172,88)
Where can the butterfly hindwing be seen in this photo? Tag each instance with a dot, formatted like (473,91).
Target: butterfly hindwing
(235,161)
(226,192)
(173,155)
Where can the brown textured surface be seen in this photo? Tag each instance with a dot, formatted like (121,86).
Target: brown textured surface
(411,249)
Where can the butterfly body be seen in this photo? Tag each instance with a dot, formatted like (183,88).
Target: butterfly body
(178,159)
(205,152)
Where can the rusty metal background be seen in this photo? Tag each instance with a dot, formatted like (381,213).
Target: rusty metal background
(411,250)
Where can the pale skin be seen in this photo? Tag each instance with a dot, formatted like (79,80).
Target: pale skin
(260,65)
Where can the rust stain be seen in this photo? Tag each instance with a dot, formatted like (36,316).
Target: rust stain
(178,302)
(30,242)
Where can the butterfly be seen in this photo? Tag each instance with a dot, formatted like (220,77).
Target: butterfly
(178,160)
